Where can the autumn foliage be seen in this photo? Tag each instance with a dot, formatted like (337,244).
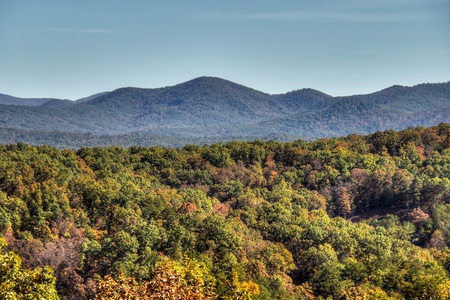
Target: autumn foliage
(357,217)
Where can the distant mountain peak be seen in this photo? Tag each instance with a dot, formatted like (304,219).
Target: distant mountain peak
(209,81)
(216,83)
(309,91)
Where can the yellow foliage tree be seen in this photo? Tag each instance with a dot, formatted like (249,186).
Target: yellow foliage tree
(187,280)
(17,282)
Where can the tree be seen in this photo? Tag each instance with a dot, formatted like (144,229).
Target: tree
(186,280)
(343,201)
(325,270)
(16,282)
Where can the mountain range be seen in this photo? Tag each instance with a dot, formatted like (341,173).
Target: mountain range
(209,109)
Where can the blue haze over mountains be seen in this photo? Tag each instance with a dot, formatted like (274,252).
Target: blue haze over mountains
(209,109)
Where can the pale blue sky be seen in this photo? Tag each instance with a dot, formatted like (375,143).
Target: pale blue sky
(72,49)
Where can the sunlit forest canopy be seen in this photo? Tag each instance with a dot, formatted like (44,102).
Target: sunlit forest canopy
(356,217)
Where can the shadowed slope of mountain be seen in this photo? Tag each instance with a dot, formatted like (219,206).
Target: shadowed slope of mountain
(209,107)
(395,108)
(410,99)
(205,105)
(337,119)
(91,97)
(57,102)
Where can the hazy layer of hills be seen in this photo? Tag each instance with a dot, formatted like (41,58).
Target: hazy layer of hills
(210,109)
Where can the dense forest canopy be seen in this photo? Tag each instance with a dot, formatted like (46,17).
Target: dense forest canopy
(357,217)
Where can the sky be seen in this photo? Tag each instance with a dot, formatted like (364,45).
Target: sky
(72,49)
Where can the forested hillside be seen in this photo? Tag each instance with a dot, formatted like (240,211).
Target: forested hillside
(357,217)
(209,109)
(10,100)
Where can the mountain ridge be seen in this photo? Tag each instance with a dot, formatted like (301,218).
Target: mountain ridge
(11,100)
(211,107)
